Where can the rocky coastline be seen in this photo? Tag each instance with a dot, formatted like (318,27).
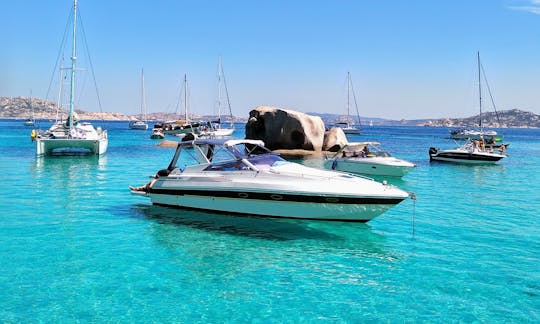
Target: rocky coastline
(21,108)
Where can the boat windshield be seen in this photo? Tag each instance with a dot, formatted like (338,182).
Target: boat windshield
(366,150)
(260,162)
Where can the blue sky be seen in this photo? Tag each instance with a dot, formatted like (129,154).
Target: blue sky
(408,59)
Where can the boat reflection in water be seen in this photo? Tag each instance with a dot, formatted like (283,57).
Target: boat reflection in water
(242,176)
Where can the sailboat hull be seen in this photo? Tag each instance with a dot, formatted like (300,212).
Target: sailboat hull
(70,146)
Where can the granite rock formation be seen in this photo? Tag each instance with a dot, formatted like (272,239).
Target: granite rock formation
(334,139)
(285,129)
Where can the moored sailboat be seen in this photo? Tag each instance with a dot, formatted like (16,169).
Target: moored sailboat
(72,136)
(181,127)
(480,132)
(216,126)
(141,124)
(347,124)
(31,120)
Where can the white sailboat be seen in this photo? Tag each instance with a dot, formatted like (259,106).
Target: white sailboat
(141,124)
(30,121)
(477,134)
(72,136)
(475,150)
(347,125)
(184,126)
(217,128)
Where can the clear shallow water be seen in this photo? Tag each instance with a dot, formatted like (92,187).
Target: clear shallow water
(75,245)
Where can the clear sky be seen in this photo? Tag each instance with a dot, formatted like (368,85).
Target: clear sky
(408,58)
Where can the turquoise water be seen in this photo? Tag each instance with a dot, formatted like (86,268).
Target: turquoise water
(76,246)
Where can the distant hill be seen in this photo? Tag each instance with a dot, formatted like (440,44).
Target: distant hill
(513,118)
(21,108)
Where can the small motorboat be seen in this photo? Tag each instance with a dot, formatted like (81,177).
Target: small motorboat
(367,158)
(157,133)
(138,124)
(470,153)
(243,177)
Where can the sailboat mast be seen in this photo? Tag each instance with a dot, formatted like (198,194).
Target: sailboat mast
(219,90)
(143,96)
(479,90)
(348,96)
(73,59)
(185,99)
(31,106)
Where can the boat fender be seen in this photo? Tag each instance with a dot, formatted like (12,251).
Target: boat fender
(334,164)
(163,173)
(33,135)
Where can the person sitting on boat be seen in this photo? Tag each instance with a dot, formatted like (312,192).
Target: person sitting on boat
(482,143)
(365,151)
(502,148)
(476,145)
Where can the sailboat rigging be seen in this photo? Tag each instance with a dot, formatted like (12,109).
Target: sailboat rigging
(31,120)
(141,124)
(184,126)
(480,133)
(347,125)
(73,136)
(216,127)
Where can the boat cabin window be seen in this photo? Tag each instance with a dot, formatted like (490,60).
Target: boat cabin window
(227,166)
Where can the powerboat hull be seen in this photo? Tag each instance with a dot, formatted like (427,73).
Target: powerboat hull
(367,158)
(300,204)
(267,185)
(377,166)
(265,205)
(464,156)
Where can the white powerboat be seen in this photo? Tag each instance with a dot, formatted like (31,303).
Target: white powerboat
(241,176)
(157,132)
(367,158)
(469,153)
